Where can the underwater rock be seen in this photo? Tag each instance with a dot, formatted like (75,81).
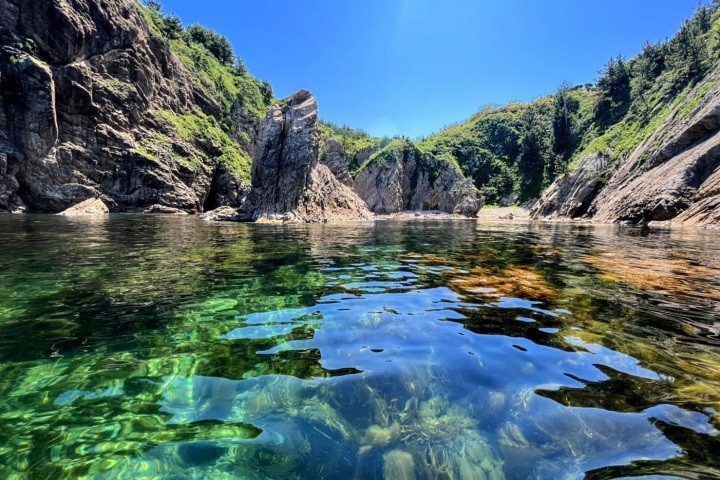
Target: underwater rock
(398,465)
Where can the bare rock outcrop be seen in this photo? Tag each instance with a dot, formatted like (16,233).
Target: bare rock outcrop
(674,176)
(223,214)
(572,195)
(705,209)
(333,155)
(401,177)
(288,181)
(91,206)
(81,82)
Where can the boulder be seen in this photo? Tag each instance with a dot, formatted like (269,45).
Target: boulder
(159,209)
(222,214)
(91,206)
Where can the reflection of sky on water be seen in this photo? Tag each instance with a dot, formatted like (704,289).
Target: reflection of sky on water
(418,336)
(183,350)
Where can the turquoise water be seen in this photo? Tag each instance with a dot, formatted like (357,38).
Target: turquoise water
(163,347)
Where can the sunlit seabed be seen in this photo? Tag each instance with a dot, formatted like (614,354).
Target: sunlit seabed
(161,347)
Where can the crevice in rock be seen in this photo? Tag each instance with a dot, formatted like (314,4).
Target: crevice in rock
(692,136)
(210,202)
(584,207)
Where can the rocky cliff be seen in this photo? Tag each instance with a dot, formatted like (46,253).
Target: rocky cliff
(99,100)
(288,181)
(401,177)
(89,108)
(674,175)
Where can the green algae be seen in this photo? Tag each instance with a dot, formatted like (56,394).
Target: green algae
(145,347)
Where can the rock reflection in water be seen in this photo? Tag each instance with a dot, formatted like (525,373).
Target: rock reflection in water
(169,347)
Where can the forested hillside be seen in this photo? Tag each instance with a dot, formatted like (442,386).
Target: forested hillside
(513,152)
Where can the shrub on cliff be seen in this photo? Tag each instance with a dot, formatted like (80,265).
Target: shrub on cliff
(218,45)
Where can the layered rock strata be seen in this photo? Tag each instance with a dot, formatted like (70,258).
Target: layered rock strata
(673,177)
(288,181)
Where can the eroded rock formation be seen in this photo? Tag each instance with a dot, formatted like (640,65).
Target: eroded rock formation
(81,83)
(404,178)
(572,196)
(288,181)
(333,156)
(674,176)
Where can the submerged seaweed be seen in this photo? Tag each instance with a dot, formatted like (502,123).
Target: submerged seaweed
(149,347)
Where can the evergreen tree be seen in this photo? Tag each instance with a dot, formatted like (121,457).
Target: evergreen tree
(536,151)
(218,45)
(646,68)
(613,92)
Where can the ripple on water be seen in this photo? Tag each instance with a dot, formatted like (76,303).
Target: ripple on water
(173,348)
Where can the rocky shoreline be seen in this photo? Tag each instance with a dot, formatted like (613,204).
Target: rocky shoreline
(99,113)
(96,105)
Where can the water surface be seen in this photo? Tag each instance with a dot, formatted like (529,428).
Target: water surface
(162,347)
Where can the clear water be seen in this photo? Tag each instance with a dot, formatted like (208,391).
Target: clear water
(160,347)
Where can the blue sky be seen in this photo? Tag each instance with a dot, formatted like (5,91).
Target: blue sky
(410,67)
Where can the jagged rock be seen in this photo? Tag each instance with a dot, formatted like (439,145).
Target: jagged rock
(9,200)
(80,82)
(705,209)
(164,210)
(91,206)
(570,196)
(334,157)
(404,178)
(673,176)
(222,214)
(227,189)
(244,128)
(661,186)
(288,182)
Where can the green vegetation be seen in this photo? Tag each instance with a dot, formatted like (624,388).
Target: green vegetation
(519,147)
(385,156)
(355,143)
(209,58)
(523,147)
(205,130)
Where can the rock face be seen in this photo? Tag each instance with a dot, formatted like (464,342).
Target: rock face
(705,209)
(572,195)
(673,176)
(223,214)
(91,206)
(333,156)
(401,177)
(288,181)
(80,82)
